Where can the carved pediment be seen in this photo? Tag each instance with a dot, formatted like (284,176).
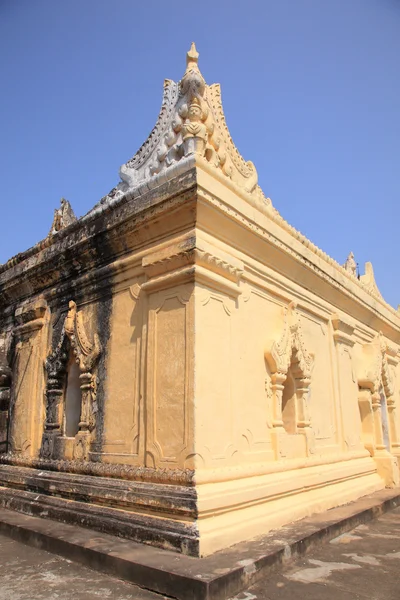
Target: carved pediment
(373,369)
(73,336)
(289,349)
(191,124)
(86,352)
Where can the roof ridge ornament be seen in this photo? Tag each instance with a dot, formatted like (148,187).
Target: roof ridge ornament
(63,217)
(350,265)
(368,280)
(192,58)
(191,128)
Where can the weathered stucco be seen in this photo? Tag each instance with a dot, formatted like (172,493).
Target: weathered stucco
(232,376)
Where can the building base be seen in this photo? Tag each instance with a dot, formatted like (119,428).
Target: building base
(216,577)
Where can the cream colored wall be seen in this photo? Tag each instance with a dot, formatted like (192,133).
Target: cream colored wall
(123,419)
(169,398)
(148,404)
(27,406)
(251,475)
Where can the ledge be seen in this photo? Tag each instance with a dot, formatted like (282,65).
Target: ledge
(216,577)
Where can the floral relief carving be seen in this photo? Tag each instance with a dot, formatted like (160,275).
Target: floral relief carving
(73,339)
(289,348)
(376,400)
(288,353)
(375,371)
(191,123)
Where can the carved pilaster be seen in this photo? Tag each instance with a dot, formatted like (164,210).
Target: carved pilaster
(346,383)
(26,405)
(376,393)
(55,365)
(284,354)
(5,384)
(277,385)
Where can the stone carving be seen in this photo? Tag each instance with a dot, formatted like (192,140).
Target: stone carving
(368,281)
(378,408)
(191,123)
(98,469)
(73,338)
(350,265)
(375,372)
(63,217)
(5,385)
(289,349)
(289,352)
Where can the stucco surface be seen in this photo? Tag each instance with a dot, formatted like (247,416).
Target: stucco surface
(232,376)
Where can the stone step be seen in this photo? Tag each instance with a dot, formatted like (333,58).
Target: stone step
(215,577)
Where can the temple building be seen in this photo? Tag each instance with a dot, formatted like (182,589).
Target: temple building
(180,366)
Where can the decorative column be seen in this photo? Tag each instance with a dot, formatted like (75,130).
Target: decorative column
(392,405)
(302,392)
(277,386)
(55,365)
(5,383)
(374,380)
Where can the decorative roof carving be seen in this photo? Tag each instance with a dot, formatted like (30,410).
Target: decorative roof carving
(289,349)
(350,265)
(191,123)
(63,217)
(368,281)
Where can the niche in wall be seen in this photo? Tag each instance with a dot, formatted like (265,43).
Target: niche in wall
(289,404)
(73,400)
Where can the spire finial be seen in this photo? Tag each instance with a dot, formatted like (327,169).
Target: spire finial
(192,58)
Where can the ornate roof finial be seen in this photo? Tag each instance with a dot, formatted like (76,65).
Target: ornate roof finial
(63,217)
(190,129)
(368,280)
(192,58)
(350,265)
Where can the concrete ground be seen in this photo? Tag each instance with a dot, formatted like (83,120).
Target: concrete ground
(364,563)
(30,574)
(359,565)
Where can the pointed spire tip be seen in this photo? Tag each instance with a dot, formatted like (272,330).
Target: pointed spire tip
(192,55)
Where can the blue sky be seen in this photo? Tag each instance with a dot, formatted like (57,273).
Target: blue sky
(311,92)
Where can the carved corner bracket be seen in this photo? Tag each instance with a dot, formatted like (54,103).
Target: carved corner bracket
(190,263)
(342,331)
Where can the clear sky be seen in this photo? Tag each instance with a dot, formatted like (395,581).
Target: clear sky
(311,92)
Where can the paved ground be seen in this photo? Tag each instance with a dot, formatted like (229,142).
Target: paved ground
(30,574)
(355,566)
